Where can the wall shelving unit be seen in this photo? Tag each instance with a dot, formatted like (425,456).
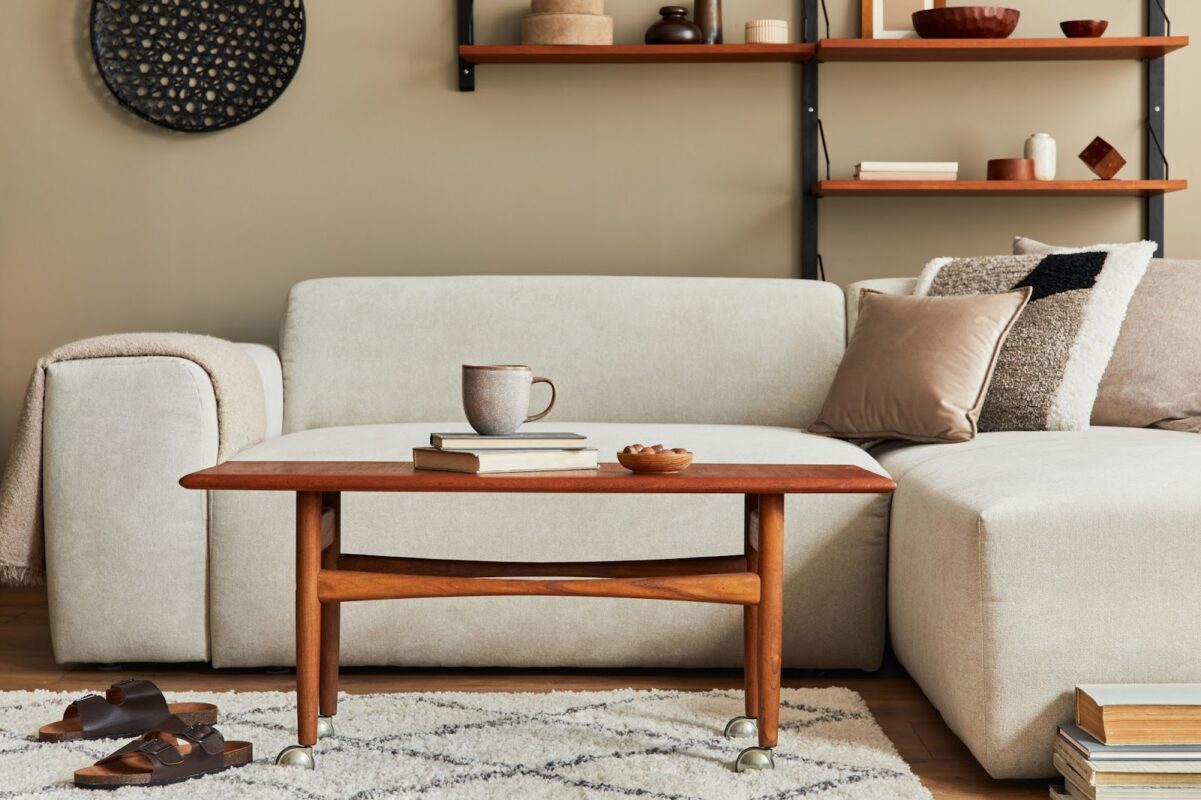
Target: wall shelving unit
(813,51)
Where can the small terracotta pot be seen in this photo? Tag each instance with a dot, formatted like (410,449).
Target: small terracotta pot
(1011,169)
(1083,28)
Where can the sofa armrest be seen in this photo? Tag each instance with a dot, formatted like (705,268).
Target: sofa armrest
(267,360)
(126,546)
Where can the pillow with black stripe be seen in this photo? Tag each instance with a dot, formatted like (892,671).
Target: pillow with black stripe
(1049,369)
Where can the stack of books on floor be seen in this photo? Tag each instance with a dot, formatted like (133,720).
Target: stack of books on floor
(517,452)
(907,171)
(1132,742)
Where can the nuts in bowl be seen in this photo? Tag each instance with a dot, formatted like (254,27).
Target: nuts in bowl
(654,458)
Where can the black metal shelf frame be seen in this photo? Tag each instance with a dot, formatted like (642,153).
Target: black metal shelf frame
(813,132)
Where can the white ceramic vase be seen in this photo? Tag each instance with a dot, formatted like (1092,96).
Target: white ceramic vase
(1041,148)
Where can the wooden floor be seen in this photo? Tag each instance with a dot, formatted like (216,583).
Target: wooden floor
(939,759)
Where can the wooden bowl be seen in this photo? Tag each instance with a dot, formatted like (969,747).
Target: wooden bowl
(655,462)
(966,22)
(1083,28)
(1011,169)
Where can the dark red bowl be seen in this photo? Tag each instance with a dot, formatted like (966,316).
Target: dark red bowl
(966,22)
(1084,28)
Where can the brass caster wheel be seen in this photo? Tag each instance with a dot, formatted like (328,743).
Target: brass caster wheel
(754,758)
(296,755)
(741,728)
(325,727)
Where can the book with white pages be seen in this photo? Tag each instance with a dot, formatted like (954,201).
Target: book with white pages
(1080,790)
(1093,750)
(482,462)
(531,440)
(1126,773)
(907,166)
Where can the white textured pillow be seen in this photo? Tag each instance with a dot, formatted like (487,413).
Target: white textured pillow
(1051,365)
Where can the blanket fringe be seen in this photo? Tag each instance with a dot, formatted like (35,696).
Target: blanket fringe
(15,575)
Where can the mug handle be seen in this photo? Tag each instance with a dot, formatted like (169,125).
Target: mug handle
(546,410)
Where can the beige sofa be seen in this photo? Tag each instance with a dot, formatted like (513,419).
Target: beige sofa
(1016,565)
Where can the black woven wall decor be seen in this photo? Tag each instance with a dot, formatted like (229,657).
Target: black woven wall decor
(197,65)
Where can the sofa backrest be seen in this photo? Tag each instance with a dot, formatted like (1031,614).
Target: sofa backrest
(881,285)
(621,349)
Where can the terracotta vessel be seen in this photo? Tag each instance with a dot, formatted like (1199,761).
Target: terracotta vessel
(674,28)
(966,22)
(1083,28)
(1011,169)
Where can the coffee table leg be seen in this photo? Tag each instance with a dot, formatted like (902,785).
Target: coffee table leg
(331,619)
(308,629)
(770,631)
(746,726)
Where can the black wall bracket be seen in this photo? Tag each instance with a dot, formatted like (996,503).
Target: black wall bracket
(811,264)
(1158,24)
(466,31)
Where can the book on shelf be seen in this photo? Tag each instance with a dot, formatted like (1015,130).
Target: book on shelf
(907,166)
(483,462)
(906,176)
(1090,748)
(535,440)
(1147,713)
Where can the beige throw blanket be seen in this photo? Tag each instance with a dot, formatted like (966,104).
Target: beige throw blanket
(241,421)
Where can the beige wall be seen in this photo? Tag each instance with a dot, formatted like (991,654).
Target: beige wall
(371,163)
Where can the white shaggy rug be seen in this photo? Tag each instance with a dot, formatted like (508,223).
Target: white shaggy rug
(660,745)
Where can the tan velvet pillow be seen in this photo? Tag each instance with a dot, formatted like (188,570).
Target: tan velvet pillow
(918,368)
(1154,376)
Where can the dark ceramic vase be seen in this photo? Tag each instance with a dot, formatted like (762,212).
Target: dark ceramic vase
(674,28)
(708,18)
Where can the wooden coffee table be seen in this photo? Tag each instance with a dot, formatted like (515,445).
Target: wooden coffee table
(326,577)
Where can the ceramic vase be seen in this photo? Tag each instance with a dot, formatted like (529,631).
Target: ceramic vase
(1040,148)
(707,14)
(674,28)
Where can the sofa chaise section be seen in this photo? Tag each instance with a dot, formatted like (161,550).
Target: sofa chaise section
(1022,564)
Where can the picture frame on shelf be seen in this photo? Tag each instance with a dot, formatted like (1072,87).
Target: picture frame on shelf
(891,19)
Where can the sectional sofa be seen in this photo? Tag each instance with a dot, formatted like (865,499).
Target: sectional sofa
(1006,570)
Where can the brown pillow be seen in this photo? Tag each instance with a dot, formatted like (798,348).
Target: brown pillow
(1154,376)
(918,368)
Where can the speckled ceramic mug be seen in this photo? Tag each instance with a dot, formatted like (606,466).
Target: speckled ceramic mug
(496,397)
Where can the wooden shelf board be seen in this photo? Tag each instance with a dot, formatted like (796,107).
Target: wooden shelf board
(1044,49)
(637,54)
(995,188)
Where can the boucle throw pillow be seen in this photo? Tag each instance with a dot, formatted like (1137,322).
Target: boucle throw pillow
(1154,377)
(1051,365)
(917,368)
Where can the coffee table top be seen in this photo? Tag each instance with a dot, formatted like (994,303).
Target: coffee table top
(399,476)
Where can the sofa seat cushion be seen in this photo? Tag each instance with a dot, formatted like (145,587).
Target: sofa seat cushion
(835,550)
(1024,563)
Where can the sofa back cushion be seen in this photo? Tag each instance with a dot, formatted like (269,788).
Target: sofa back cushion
(619,349)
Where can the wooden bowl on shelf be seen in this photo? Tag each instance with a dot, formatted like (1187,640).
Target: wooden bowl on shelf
(1083,28)
(1011,169)
(966,22)
(649,461)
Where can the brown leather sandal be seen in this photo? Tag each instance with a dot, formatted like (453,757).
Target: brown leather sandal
(129,708)
(172,752)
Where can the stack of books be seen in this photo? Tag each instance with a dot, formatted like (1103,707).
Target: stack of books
(517,452)
(1132,742)
(907,171)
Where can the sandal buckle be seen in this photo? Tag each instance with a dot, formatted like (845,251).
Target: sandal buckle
(199,732)
(156,748)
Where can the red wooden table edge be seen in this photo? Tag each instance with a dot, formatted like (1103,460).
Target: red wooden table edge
(399,476)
